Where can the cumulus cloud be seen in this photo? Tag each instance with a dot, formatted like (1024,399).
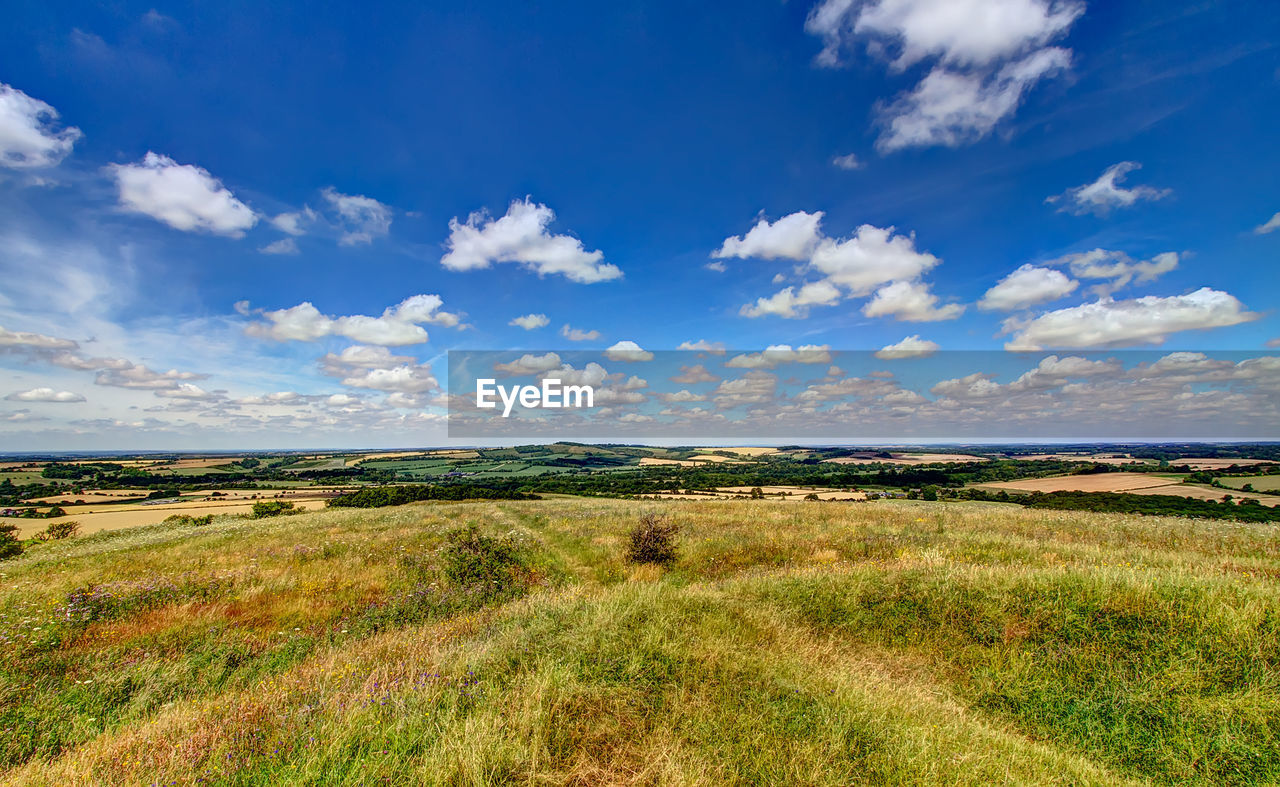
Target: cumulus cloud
(1118,323)
(282,246)
(1105,194)
(910,302)
(291,223)
(1117,268)
(754,387)
(184,196)
(363,218)
(44,395)
(1270,225)
(791,304)
(910,347)
(529,364)
(29,133)
(791,237)
(702,345)
(125,374)
(360,356)
(1027,286)
(987,54)
(22,341)
(691,375)
(873,256)
(627,350)
(530,322)
(406,379)
(399,325)
(849,267)
(578,334)
(521,237)
(776,354)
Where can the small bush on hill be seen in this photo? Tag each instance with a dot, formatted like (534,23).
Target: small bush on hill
(59,530)
(653,540)
(184,519)
(273,508)
(492,565)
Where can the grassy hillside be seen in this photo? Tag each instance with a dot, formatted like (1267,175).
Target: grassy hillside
(882,643)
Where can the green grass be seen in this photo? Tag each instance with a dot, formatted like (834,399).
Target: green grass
(790,643)
(1261,483)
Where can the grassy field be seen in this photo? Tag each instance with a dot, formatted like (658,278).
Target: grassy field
(820,643)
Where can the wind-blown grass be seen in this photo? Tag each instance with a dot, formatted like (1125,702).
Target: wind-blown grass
(880,643)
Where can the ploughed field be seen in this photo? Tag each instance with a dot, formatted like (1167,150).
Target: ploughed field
(885,642)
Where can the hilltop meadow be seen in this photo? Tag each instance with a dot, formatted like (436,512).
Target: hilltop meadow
(514,642)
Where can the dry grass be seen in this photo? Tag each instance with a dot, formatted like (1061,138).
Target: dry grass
(882,643)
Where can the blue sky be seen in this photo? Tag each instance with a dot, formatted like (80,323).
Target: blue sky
(651,172)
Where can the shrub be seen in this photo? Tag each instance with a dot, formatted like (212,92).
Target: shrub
(10,546)
(475,560)
(653,540)
(273,508)
(184,519)
(60,530)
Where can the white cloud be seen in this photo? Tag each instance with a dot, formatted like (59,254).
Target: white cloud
(691,375)
(407,379)
(282,246)
(188,391)
(1027,286)
(1112,323)
(44,395)
(521,237)
(360,356)
(399,325)
(627,350)
(911,347)
(184,196)
(790,304)
(957,32)
(363,218)
(1118,268)
(872,257)
(754,387)
(530,364)
(791,237)
(29,137)
(987,54)
(530,322)
(776,354)
(1105,193)
(1270,225)
(850,267)
(847,162)
(123,374)
(952,108)
(910,302)
(578,335)
(681,396)
(702,345)
(27,342)
(291,223)
(1272,343)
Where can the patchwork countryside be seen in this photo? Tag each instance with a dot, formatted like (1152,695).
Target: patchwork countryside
(600,614)
(647,393)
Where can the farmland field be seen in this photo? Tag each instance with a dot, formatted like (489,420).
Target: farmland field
(1262,483)
(879,643)
(1094,482)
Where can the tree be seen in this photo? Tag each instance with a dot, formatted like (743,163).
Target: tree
(757,493)
(10,546)
(929,493)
